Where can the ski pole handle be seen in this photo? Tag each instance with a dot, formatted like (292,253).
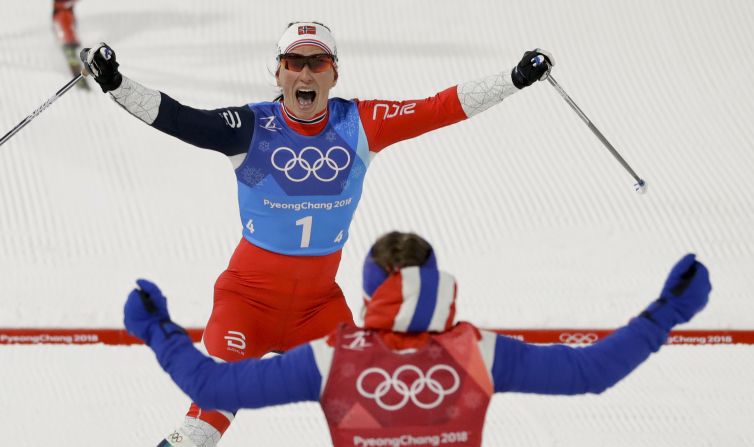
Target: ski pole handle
(539,60)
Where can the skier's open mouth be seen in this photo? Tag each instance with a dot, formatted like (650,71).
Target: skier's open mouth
(305,97)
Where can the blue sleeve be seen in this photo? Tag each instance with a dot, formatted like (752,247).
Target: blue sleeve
(252,383)
(559,369)
(227,130)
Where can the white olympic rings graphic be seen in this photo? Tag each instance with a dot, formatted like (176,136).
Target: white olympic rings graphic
(578,337)
(408,391)
(310,168)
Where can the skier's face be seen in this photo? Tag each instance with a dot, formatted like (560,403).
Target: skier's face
(305,93)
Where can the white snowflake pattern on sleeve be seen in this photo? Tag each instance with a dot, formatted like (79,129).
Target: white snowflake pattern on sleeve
(481,94)
(139,101)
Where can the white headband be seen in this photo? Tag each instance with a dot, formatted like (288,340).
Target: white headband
(307,33)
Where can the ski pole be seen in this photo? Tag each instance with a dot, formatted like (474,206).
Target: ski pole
(640,186)
(40,109)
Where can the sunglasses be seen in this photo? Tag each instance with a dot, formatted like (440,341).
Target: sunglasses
(317,63)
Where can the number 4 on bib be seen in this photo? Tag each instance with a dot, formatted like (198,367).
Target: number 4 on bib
(306,231)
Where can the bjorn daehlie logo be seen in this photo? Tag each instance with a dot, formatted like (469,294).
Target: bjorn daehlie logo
(380,383)
(324,166)
(232,119)
(236,341)
(388,111)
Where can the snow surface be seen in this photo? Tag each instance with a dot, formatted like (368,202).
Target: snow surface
(523,204)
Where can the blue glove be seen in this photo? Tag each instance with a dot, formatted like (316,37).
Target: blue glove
(533,67)
(146,309)
(685,293)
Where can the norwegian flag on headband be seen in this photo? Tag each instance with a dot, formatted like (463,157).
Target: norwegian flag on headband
(307,29)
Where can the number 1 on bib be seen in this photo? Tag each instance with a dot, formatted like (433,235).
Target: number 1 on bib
(306,233)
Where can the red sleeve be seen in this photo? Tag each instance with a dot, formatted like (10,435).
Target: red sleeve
(388,122)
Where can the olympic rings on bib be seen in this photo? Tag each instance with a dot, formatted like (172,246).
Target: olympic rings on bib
(408,391)
(285,164)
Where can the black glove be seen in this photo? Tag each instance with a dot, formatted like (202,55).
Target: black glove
(685,293)
(100,62)
(534,66)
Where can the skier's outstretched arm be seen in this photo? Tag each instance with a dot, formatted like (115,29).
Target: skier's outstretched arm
(228,130)
(291,377)
(558,369)
(388,122)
